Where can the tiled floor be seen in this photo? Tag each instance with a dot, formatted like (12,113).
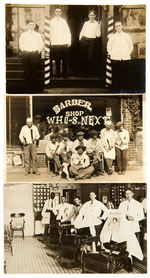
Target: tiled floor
(29,256)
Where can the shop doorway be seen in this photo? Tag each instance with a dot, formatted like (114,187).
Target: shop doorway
(76,16)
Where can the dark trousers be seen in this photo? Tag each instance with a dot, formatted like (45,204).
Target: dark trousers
(58,53)
(121,159)
(31,62)
(121,74)
(88,48)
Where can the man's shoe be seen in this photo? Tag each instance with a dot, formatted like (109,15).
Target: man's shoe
(123,172)
(119,173)
(26,174)
(36,173)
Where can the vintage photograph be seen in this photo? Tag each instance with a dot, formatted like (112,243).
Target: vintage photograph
(71,139)
(75,228)
(75,48)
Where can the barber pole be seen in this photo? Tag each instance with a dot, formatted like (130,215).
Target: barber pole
(108,60)
(47,51)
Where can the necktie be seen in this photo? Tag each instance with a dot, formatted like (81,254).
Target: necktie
(31,130)
(52,204)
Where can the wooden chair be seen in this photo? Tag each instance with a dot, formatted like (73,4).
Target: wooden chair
(17,223)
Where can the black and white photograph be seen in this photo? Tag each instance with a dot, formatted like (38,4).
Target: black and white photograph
(66,138)
(75,228)
(75,48)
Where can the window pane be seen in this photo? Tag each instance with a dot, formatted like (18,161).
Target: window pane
(11,32)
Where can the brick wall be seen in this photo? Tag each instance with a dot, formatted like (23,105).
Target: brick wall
(135,150)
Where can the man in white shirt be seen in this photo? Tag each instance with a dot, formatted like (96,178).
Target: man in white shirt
(90,31)
(119,49)
(132,210)
(121,142)
(80,164)
(60,39)
(62,211)
(91,216)
(52,153)
(49,205)
(31,44)
(29,136)
(108,143)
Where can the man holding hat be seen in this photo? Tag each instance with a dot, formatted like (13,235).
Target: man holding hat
(31,44)
(121,142)
(29,136)
(108,142)
(79,141)
(52,153)
(80,164)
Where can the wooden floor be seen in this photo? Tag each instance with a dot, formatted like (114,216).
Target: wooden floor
(29,256)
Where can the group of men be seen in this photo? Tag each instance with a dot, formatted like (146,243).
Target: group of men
(31,44)
(81,158)
(93,214)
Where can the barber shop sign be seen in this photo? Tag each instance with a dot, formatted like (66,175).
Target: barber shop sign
(76,113)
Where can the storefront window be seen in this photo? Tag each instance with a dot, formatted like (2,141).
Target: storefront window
(16,23)
(11,32)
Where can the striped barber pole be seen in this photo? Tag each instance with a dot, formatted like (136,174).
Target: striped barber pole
(108,60)
(47,51)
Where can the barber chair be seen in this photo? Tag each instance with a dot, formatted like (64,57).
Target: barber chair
(110,260)
(17,223)
(53,236)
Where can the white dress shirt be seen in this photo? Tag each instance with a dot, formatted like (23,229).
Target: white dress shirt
(50,204)
(94,145)
(120,46)
(65,147)
(51,148)
(80,160)
(90,30)
(122,139)
(59,32)
(25,134)
(63,210)
(132,208)
(31,41)
(89,214)
(108,140)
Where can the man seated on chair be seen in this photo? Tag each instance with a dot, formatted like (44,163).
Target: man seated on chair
(65,150)
(80,164)
(53,154)
(75,209)
(95,151)
(79,141)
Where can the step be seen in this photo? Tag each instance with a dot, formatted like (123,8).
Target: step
(13,74)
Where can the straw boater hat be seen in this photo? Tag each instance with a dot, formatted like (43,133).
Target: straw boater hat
(29,120)
(80,147)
